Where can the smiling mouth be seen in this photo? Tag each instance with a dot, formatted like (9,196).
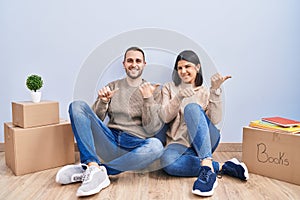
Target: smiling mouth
(186,76)
(134,68)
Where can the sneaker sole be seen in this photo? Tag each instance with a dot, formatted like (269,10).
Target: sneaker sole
(246,173)
(103,185)
(60,172)
(206,194)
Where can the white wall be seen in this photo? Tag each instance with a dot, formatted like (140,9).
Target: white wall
(257,42)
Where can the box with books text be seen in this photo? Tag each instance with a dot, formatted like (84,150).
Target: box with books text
(272,154)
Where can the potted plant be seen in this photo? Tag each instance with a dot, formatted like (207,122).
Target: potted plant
(34,83)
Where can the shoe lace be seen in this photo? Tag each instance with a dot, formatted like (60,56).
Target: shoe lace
(203,175)
(87,174)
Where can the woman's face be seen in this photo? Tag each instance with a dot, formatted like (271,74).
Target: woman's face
(187,71)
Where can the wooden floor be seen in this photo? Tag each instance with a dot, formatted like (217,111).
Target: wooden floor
(139,186)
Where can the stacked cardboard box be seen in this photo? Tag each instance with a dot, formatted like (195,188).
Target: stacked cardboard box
(37,139)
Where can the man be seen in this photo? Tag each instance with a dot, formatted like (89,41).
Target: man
(126,142)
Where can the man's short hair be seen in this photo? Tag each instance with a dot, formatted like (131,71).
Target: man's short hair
(134,49)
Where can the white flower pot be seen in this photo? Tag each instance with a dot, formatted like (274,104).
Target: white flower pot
(36,96)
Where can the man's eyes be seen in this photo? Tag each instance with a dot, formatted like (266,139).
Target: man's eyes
(132,60)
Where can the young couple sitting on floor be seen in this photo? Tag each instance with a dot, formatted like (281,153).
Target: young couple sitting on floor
(174,125)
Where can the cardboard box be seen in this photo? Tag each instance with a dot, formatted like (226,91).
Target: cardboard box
(272,154)
(35,149)
(28,114)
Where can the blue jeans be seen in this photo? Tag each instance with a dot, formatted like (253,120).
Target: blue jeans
(119,151)
(179,160)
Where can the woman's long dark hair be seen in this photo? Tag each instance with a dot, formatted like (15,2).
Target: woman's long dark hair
(190,56)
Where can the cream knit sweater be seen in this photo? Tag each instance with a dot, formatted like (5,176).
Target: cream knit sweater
(129,111)
(173,106)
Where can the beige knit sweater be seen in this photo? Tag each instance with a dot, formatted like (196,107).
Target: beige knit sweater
(173,106)
(129,111)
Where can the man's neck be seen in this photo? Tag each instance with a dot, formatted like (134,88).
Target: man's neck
(134,82)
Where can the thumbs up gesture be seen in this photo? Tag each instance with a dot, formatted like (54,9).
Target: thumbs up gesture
(105,94)
(147,89)
(217,80)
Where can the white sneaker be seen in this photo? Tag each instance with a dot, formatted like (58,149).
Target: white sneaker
(94,180)
(70,174)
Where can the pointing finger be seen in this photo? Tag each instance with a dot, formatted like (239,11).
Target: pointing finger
(226,77)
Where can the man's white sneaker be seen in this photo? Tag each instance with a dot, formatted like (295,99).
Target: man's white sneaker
(70,174)
(94,180)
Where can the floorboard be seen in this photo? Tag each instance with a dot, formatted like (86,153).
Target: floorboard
(143,186)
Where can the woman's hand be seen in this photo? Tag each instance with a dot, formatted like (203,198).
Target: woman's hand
(188,92)
(217,80)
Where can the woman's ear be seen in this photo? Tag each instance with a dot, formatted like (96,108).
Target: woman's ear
(198,67)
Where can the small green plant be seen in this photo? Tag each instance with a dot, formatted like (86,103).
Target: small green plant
(34,82)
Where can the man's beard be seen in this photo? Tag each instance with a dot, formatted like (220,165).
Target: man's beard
(135,76)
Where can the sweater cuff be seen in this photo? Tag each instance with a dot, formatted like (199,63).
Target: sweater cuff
(102,102)
(215,94)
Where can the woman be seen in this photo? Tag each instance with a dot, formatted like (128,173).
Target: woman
(191,110)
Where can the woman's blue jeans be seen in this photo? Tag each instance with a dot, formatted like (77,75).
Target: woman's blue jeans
(179,160)
(117,150)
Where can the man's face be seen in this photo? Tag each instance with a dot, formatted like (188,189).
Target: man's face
(134,64)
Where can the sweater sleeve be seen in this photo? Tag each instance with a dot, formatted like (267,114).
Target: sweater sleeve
(100,108)
(170,106)
(150,119)
(214,108)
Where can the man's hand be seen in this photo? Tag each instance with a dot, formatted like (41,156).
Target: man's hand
(105,94)
(147,89)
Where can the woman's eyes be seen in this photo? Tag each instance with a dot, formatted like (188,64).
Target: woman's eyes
(186,67)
